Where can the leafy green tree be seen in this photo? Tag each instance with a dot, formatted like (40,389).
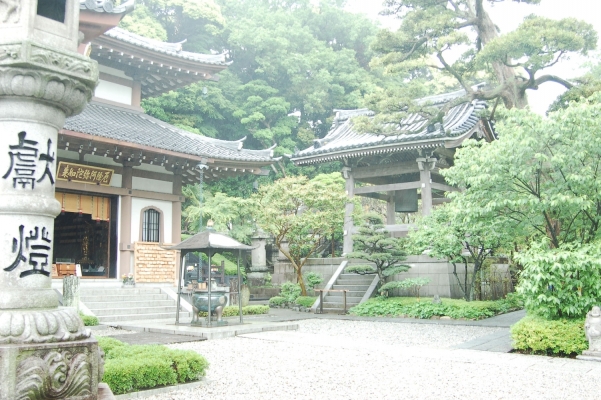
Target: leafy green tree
(193,21)
(293,62)
(300,212)
(543,174)
(433,33)
(374,244)
(563,282)
(231,215)
(585,87)
(447,234)
(539,183)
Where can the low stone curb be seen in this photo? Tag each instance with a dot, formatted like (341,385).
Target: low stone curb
(164,389)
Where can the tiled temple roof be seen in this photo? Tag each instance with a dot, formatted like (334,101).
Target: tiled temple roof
(135,127)
(171,49)
(342,141)
(106,6)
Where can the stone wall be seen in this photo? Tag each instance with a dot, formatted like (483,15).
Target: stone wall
(153,264)
(283,270)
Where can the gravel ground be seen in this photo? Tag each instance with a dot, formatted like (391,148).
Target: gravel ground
(110,331)
(378,360)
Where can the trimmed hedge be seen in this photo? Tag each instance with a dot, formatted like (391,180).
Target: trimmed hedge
(424,308)
(89,320)
(233,311)
(305,301)
(130,368)
(536,335)
(277,301)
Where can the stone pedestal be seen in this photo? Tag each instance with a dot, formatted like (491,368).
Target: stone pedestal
(67,370)
(45,351)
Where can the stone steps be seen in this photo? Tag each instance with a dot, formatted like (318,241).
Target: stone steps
(129,304)
(356,285)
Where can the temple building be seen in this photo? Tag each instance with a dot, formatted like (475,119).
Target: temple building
(403,170)
(120,172)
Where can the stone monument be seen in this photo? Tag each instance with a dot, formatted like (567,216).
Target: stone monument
(592,330)
(45,351)
(259,268)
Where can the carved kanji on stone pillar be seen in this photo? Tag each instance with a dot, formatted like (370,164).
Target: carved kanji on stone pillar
(46,351)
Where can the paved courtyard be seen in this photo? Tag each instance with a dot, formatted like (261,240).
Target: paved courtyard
(346,359)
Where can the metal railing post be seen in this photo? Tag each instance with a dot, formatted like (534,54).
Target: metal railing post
(344,293)
(321,301)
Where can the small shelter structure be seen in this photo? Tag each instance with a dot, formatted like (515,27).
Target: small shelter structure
(402,169)
(208,242)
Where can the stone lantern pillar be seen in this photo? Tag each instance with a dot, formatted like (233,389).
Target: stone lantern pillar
(258,267)
(45,351)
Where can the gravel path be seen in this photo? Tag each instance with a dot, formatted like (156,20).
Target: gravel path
(378,360)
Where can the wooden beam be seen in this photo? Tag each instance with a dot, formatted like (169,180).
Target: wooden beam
(374,171)
(387,188)
(377,196)
(446,188)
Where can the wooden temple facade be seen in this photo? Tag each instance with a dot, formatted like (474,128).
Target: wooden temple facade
(403,170)
(120,172)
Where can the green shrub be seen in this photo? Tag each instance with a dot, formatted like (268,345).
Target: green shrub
(413,284)
(534,334)
(89,320)
(360,269)
(424,309)
(232,311)
(305,301)
(560,283)
(108,344)
(313,279)
(133,368)
(277,301)
(290,291)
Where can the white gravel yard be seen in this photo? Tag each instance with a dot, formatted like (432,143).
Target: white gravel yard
(335,359)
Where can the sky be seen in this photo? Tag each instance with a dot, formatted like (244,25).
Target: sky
(508,15)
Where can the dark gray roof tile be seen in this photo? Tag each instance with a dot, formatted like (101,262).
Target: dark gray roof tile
(138,128)
(171,49)
(343,138)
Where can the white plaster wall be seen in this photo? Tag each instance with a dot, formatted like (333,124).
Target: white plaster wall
(137,204)
(113,92)
(116,180)
(152,185)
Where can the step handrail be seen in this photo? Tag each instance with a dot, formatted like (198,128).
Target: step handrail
(330,284)
(370,289)
(344,291)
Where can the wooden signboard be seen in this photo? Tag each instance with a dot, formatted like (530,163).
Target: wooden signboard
(68,171)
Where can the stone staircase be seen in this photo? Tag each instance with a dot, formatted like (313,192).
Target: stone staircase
(356,285)
(117,304)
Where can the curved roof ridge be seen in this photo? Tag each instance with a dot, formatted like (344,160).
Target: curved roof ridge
(113,122)
(172,49)
(107,6)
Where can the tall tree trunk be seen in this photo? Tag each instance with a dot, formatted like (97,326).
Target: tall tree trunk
(300,281)
(487,31)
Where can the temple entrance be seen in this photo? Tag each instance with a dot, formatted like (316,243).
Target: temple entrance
(83,235)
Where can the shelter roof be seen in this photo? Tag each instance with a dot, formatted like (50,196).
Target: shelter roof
(208,240)
(342,141)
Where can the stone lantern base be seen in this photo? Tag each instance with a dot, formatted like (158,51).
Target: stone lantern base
(589,355)
(64,370)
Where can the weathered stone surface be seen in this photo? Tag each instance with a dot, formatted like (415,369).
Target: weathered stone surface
(45,352)
(50,370)
(71,291)
(39,326)
(592,330)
